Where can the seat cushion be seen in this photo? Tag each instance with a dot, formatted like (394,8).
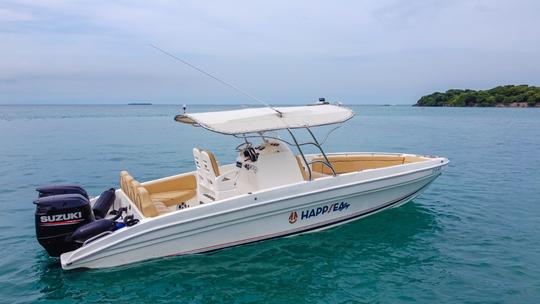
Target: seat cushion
(171,198)
(161,208)
(214,162)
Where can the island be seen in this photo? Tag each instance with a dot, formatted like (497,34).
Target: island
(517,96)
(139,104)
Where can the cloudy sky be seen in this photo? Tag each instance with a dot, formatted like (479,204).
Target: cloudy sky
(357,52)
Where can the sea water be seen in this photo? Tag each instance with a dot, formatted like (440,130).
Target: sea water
(472,237)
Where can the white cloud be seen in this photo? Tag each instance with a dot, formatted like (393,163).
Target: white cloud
(285,51)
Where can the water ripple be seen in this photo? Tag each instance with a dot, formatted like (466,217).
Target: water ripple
(471,237)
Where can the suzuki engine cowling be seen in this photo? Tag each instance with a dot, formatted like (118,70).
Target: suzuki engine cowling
(57,217)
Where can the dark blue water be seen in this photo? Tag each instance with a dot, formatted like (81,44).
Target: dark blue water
(473,236)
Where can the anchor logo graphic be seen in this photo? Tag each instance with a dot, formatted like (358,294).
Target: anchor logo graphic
(293,217)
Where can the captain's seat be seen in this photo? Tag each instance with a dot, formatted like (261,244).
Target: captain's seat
(212,184)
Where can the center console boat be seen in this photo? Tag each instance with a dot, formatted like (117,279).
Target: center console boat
(269,192)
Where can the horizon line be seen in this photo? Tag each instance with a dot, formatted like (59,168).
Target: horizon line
(200,104)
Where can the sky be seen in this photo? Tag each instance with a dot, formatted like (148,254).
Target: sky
(283,52)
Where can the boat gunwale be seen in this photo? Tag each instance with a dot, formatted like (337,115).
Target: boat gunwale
(105,246)
(444,160)
(228,223)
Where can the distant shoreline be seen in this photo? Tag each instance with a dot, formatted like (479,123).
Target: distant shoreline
(499,105)
(231,105)
(508,96)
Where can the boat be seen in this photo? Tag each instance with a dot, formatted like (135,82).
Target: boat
(274,189)
(139,104)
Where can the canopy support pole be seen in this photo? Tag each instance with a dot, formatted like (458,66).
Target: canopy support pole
(301,152)
(316,143)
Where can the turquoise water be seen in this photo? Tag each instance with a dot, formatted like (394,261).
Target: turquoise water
(473,236)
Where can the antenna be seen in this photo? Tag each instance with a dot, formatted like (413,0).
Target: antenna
(217,79)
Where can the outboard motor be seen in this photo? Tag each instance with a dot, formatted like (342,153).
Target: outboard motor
(57,217)
(65,219)
(61,189)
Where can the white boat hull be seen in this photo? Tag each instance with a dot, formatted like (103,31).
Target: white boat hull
(282,211)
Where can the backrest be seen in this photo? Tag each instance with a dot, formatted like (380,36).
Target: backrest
(201,174)
(213,162)
(123,186)
(134,193)
(127,186)
(210,168)
(351,163)
(147,206)
(207,168)
(207,172)
(197,157)
(302,168)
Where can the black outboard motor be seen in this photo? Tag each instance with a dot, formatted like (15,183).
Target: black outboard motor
(61,189)
(57,217)
(65,219)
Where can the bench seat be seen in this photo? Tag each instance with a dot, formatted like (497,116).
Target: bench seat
(155,197)
(171,198)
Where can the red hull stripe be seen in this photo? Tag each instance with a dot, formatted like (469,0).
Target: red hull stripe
(61,223)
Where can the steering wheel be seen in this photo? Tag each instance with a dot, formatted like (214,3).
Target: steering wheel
(241,147)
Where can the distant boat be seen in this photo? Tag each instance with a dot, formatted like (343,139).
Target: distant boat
(139,104)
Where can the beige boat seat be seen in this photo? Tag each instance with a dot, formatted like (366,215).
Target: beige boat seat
(201,174)
(133,192)
(302,168)
(125,182)
(171,198)
(219,180)
(211,182)
(148,207)
(167,192)
(213,162)
(123,175)
(172,190)
(304,171)
(351,163)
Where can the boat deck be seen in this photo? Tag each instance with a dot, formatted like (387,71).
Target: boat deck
(175,193)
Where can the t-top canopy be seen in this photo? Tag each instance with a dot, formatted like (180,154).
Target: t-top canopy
(254,120)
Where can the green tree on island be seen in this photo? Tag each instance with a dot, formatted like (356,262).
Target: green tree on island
(508,95)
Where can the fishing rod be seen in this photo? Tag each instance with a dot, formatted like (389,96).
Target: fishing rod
(217,79)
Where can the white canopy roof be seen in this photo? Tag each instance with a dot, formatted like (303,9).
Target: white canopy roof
(266,119)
